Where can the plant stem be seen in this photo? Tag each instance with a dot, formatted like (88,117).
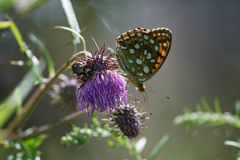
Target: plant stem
(37,96)
(50,126)
(133,151)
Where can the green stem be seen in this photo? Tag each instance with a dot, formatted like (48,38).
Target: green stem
(133,151)
(74,48)
(37,96)
(138,156)
(130,147)
(75,32)
(50,126)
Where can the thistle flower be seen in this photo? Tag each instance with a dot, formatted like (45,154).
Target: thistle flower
(128,119)
(101,87)
(63,94)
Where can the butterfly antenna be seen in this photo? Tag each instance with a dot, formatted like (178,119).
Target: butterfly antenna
(158,93)
(147,102)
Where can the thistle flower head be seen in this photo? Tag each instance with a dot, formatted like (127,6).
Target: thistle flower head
(128,119)
(101,87)
(63,93)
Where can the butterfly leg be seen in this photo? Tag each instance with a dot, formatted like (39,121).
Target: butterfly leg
(136,98)
(147,102)
(144,98)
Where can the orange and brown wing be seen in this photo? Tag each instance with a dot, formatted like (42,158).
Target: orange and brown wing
(141,52)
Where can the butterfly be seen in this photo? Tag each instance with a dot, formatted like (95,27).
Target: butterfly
(141,53)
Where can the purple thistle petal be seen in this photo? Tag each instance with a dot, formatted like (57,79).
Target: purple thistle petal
(100,93)
(101,87)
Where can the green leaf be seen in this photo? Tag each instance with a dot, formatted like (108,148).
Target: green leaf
(45,53)
(10,104)
(27,148)
(34,65)
(72,126)
(187,110)
(35,142)
(5,4)
(232,143)
(113,145)
(206,105)
(238,155)
(17,35)
(33,61)
(72,21)
(22,8)
(217,106)
(199,108)
(158,147)
(237,108)
(82,142)
(112,52)
(139,146)
(95,122)
(30,6)
(75,32)
(110,143)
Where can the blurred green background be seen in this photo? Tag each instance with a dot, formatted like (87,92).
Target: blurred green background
(203,62)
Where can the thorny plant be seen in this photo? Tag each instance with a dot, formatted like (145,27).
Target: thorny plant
(94,88)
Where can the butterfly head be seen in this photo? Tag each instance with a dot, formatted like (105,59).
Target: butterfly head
(139,86)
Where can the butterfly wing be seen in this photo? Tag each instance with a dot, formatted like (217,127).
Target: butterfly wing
(141,52)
